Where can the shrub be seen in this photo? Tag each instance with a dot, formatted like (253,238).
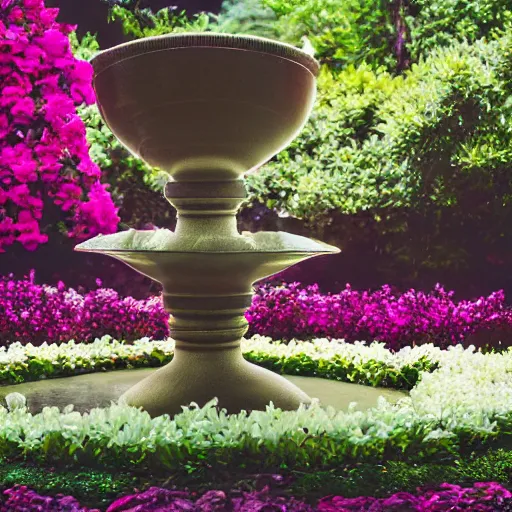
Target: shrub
(48,181)
(437,23)
(462,407)
(378,142)
(341,33)
(407,175)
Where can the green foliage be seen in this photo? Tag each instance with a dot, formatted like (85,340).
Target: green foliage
(396,476)
(341,32)
(334,362)
(439,23)
(414,168)
(93,488)
(84,48)
(376,142)
(97,488)
(144,23)
(247,17)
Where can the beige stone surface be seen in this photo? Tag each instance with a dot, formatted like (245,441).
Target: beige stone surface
(99,389)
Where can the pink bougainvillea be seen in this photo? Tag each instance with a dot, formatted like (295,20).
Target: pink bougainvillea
(44,159)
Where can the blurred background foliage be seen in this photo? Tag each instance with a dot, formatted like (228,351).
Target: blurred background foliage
(406,161)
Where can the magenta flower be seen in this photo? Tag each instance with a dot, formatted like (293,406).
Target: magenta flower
(398,320)
(42,139)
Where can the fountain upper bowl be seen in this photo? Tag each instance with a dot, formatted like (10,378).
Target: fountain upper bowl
(205,106)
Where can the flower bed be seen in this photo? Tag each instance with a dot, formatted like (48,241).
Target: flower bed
(398,320)
(463,405)
(99,488)
(33,313)
(482,497)
(333,359)
(36,313)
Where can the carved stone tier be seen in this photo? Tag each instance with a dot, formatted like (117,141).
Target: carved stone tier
(206,108)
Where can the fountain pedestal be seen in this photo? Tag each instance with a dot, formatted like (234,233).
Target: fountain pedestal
(207,268)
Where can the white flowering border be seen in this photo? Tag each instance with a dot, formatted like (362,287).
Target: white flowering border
(468,399)
(20,363)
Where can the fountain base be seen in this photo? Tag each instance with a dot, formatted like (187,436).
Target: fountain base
(200,374)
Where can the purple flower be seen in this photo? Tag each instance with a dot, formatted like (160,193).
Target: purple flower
(154,500)
(398,320)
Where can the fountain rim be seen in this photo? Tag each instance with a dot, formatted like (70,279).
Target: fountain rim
(331,250)
(111,56)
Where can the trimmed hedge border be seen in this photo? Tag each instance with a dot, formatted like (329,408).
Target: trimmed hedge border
(371,365)
(462,406)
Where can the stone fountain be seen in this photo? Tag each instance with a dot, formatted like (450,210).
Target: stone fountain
(207,108)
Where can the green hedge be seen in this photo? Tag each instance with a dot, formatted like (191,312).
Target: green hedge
(407,173)
(330,359)
(375,142)
(461,407)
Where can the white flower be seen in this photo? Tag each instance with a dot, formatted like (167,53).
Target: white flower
(15,401)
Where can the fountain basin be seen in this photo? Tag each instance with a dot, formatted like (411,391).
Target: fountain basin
(86,392)
(197,105)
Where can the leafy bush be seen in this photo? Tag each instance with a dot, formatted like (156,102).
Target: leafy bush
(247,17)
(436,23)
(409,174)
(341,33)
(48,181)
(35,313)
(377,142)
(138,23)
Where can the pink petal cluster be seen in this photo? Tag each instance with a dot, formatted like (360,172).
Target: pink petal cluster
(23,499)
(44,157)
(482,497)
(406,319)
(156,499)
(33,313)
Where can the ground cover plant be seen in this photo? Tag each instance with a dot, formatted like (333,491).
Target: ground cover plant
(99,488)
(359,363)
(484,497)
(460,403)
